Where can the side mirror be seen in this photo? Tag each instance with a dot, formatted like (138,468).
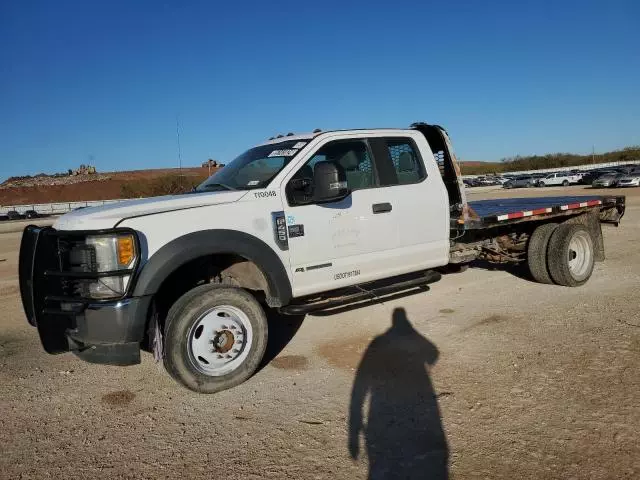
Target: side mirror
(330,182)
(301,190)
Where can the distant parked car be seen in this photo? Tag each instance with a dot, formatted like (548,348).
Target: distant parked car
(527,181)
(632,180)
(607,180)
(589,177)
(559,178)
(13,215)
(471,182)
(31,214)
(487,181)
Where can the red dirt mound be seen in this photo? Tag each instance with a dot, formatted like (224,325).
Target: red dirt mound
(105,189)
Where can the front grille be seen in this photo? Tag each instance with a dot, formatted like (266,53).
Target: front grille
(56,268)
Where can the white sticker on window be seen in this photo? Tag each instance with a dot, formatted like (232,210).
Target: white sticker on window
(283,153)
(299,144)
(337,185)
(253,182)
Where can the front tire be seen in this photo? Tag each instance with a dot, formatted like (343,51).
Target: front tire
(541,184)
(570,255)
(215,338)
(537,253)
(565,183)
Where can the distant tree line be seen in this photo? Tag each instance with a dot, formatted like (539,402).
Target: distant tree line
(551,160)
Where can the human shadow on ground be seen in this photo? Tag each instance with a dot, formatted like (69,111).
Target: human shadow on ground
(403,432)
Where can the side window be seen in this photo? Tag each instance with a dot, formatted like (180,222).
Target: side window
(352,157)
(406,161)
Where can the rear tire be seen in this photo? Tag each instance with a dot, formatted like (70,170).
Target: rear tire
(570,255)
(215,338)
(537,253)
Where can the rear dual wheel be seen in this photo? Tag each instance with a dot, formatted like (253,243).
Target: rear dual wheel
(537,252)
(562,254)
(570,255)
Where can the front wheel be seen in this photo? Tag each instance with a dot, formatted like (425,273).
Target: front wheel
(541,184)
(565,183)
(570,255)
(215,338)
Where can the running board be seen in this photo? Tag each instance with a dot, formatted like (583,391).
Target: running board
(366,292)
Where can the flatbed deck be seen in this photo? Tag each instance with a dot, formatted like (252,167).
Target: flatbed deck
(486,213)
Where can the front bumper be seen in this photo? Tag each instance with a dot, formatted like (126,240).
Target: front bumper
(107,332)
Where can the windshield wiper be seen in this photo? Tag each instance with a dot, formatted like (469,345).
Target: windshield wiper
(208,186)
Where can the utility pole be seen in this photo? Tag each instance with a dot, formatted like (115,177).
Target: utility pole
(593,154)
(179,150)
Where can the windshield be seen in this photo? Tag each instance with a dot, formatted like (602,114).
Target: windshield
(255,168)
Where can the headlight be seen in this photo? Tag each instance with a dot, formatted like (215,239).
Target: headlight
(116,253)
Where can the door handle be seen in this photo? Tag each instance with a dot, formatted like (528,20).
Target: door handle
(381,207)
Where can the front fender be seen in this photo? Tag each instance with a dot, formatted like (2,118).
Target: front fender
(184,249)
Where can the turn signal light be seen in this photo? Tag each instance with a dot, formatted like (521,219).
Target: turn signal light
(126,249)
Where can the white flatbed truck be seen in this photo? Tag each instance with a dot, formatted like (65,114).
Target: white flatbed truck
(298,224)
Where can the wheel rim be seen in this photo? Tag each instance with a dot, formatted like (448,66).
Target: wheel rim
(220,340)
(580,255)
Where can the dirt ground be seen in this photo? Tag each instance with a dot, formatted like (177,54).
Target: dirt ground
(523,381)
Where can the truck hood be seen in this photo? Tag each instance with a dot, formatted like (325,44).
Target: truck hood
(107,216)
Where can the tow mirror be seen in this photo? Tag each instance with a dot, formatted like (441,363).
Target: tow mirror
(301,190)
(330,182)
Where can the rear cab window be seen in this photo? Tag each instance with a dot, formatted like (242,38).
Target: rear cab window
(399,161)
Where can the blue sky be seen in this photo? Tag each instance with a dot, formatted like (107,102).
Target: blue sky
(103,81)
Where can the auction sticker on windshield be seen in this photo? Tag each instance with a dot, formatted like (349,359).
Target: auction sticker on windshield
(283,153)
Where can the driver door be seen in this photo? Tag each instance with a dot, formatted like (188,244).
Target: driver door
(340,243)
